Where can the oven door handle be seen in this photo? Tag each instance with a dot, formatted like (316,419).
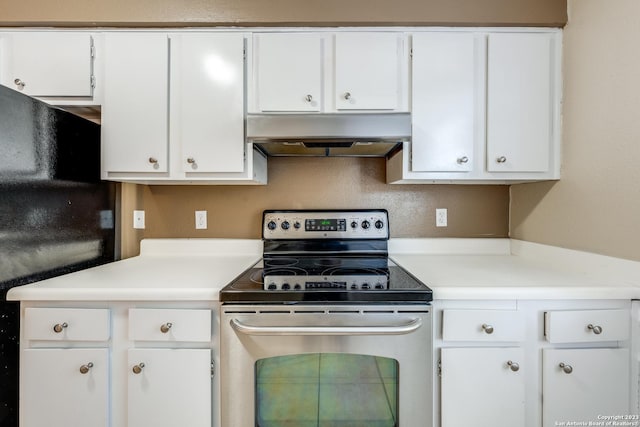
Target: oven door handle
(402,329)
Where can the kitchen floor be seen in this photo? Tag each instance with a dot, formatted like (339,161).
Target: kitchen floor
(327,390)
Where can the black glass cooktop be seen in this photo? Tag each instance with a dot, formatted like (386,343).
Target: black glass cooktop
(290,280)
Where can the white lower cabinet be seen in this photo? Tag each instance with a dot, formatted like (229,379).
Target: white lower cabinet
(64,387)
(582,385)
(530,363)
(482,387)
(169,387)
(119,364)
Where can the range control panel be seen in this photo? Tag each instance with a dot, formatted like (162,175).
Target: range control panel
(329,224)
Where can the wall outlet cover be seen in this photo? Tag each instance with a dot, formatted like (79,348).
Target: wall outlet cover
(138,219)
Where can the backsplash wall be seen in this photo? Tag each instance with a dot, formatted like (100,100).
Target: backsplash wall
(310,183)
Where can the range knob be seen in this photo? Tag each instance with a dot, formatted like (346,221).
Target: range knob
(285,225)
(286,287)
(379,224)
(365,224)
(354,224)
(272,286)
(296,225)
(272,225)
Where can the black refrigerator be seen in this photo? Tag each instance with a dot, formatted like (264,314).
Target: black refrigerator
(56,215)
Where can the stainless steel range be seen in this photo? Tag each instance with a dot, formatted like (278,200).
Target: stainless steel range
(326,330)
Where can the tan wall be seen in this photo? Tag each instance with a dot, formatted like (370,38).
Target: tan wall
(280,12)
(311,183)
(596,204)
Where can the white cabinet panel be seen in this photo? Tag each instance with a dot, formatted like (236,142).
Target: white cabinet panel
(480,388)
(173,325)
(289,71)
(55,392)
(135,111)
(591,382)
(208,86)
(519,102)
(66,324)
(367,70)
(446,91)
(49,64)
(581,326)
(482,325)
(172,388)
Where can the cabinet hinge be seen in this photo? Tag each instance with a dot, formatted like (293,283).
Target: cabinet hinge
(213,368)
(439,368)
(93,49)
(411,53)
(93,82)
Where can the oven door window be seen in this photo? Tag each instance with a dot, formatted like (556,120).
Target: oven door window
(326,389)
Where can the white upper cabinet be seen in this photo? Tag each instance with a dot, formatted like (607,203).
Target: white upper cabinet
(519,102)
(328,72)
(49,64)
(288,71)
(174,109)
(485,108)
(135,113)
(444,107)
(367,71)
(208,101)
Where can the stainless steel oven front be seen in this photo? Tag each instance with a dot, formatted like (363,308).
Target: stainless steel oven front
(326,365)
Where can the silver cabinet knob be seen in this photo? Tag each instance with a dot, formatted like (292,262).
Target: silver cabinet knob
(567,369)
(166,327)
(462,160)
(59,327)
(308,98)
(501,159)
(19,83)
(513,366)
(138,368)
(153,160)
(191,160)
(347,95)
(595,328)
(487,328)
(86,368)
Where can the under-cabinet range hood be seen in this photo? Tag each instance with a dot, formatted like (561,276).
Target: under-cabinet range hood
(332,135)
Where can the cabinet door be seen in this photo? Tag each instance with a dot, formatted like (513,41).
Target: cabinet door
(289,71)
(55,392)
(519,102)
(208,85)
(367,71)
(50,64)
(446,90)
(589,383)
(135,109)
(173,387)
(479,387)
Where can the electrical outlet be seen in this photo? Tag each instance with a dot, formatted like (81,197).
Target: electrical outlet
(138,219)
(201,220)
(441,217)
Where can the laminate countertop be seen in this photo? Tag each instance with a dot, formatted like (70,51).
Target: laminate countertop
(461,269)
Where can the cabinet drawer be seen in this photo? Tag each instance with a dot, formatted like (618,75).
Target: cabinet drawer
(586,326)
(482,325)
(169,325)
(66,324)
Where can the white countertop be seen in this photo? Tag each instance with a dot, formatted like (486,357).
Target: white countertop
(165,270)
(196,269)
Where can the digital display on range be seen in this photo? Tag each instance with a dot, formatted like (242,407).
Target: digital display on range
(325,225)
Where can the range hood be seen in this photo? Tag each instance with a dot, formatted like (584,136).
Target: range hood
(332,135)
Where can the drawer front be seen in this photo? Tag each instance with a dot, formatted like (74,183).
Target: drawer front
(67,324)
(586,326)
(482,325)
(147,324)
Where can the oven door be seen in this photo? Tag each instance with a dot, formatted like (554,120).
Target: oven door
(338,366)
